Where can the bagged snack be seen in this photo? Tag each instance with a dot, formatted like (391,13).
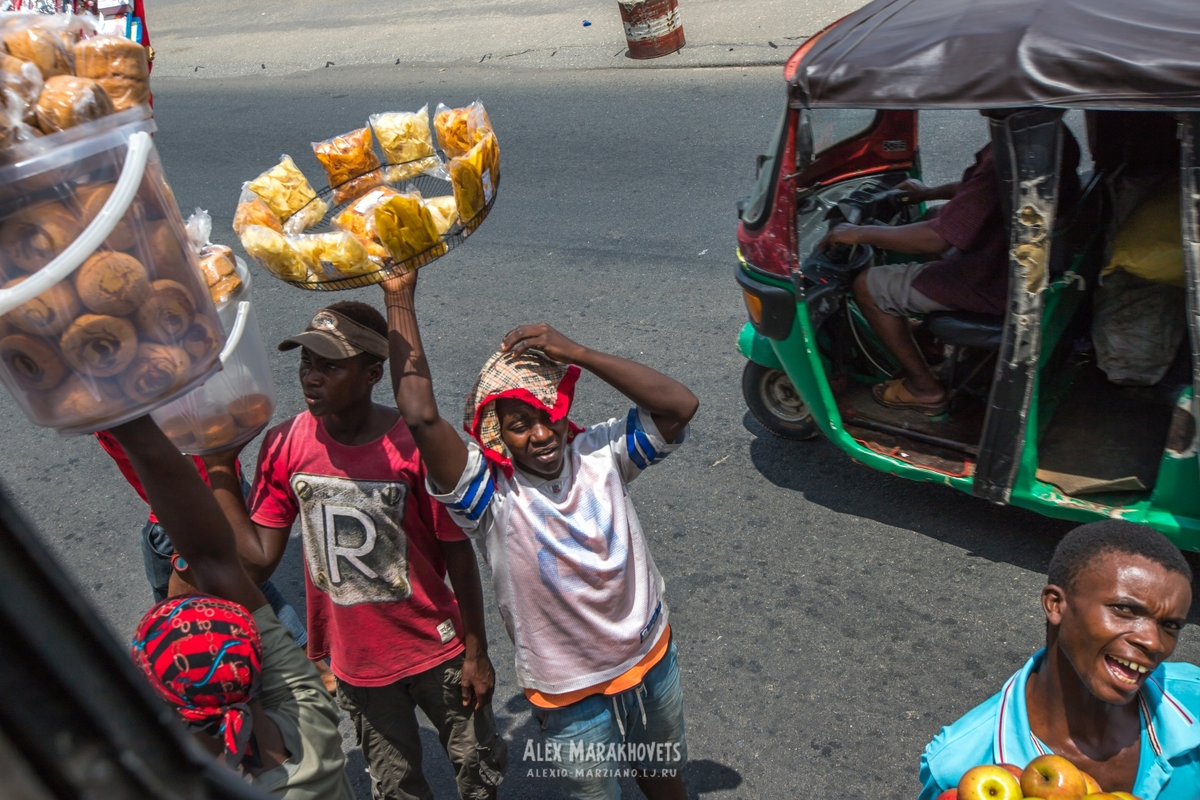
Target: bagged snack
(288,194)
(39,44)
(218,265)
(277,254)
(339,254)
(471,177)
(251,210)
(452,132)
(358,219)
(443,210)
(406,227)
(117,64)
(350,163)
(67,101)
(407,144)
(479,124)
(20,84)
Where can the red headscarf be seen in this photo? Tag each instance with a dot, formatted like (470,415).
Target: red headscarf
(203,655)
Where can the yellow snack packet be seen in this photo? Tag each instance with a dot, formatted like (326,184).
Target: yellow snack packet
(406,228)
(452,129)
(403,136)
(339,254)
(443,210)
(277,254)
(286,191)
(358,219)
(472,177)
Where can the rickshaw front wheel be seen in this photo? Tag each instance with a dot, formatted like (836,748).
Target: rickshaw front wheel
(776,404)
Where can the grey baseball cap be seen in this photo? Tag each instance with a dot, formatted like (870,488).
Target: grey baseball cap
(334,336)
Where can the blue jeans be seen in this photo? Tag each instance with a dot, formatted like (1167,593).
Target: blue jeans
(597,740)
(156,557)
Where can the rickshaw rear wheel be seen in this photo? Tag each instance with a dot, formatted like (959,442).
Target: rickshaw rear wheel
(776,404)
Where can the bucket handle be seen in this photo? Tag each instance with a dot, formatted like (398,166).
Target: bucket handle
(239,327)
(93,236)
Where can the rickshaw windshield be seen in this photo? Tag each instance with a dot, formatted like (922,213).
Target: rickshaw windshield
(764,184)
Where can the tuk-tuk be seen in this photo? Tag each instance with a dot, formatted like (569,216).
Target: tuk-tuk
(1031,418)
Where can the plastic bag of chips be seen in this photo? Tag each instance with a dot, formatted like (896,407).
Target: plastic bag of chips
(444,211)
(407,144)
(338,253)
(407,228)
(278,254)
(358,219)
(453,133)
(252,210)
(289,195)
(350,163)
(471,176)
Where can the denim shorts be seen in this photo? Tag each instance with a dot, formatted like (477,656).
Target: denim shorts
(594,742)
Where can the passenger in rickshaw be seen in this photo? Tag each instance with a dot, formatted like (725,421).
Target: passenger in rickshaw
(969,239)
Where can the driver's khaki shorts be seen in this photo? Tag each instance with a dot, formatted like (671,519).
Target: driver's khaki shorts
(891,287)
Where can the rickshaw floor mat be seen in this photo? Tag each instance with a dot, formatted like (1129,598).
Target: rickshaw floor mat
(963,426)
(1103,435)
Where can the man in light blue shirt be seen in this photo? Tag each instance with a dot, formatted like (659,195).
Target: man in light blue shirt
(1100,694)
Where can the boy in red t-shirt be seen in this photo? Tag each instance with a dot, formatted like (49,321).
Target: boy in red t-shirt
(377,549)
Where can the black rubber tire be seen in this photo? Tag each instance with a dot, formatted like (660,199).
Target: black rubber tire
(774,402)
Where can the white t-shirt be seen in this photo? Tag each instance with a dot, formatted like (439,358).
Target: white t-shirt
(579,593)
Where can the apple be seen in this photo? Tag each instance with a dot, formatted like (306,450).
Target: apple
(989,782)
(1125,796)
(1013,768)
(949,794)
(1052,777)
(1093,785)
(1100,796)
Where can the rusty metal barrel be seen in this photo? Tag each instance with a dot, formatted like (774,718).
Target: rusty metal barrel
(652,27)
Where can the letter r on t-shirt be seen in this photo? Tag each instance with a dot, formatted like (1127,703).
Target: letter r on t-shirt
(351,554)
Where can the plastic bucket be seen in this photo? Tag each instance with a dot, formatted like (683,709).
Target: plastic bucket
(233,406)
(103,302)
(652,27)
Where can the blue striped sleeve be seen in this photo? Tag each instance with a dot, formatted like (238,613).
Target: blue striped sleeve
(637,443)
(478,495)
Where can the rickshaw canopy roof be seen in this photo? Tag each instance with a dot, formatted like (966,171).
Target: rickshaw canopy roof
(913,54)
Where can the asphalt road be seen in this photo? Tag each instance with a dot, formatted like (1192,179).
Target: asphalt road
(829,619)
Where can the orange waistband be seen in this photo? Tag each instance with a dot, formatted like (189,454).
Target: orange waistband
(623,682)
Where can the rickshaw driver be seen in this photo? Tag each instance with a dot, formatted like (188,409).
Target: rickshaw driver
(969,235)
(1101,693)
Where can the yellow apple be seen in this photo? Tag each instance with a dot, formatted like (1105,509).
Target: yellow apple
(1052,777)
(989,782)
(1093,785)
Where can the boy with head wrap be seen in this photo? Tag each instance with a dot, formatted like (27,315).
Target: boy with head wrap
(247,692)
(548,501)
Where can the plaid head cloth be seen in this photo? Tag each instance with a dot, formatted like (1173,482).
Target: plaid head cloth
(532,377)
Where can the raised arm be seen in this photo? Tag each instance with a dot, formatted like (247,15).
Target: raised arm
(671,404)
(188,513)
(260,548)
(444,453)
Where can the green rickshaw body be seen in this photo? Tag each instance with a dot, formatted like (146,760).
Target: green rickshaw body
(786,305)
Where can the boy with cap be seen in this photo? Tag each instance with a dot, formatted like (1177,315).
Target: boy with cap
(221,658)
(578,590)
(377,549)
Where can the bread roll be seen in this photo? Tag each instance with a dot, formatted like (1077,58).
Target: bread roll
(32,237)
(112,283)
(180,431)
(43,48)
(49,313)
(166,316)
(77,401)
(99,345)
(155,371)
(22,82)
(33,361)
(251,410)
(216,266)
(216,430)
(92,198)
(162,252)
(202,338)
(119,65)
(67,101)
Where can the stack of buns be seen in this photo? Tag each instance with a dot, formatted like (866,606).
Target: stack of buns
(219,426)
(52,80)
(129,327)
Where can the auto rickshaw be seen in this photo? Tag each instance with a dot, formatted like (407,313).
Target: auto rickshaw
(1031,420)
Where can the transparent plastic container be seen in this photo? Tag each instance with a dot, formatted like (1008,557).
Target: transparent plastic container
(104,314)
(233,406)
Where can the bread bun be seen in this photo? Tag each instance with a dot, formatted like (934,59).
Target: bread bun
(112,283)
(49,313)
(67,101)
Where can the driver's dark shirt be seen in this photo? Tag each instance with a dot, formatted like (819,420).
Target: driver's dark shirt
(974,277)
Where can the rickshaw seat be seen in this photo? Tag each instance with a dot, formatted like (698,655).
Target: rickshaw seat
(966,328)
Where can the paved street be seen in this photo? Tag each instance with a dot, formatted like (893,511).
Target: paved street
(829,619)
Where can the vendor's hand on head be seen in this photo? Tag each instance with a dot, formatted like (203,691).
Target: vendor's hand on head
(478,681)
(541,337)
(841,234)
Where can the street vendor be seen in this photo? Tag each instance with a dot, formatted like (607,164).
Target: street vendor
(967,241)
(1100,693)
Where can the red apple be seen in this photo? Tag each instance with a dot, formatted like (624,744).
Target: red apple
(1052,777)
(949,794)
(989,782)
(1013,768)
